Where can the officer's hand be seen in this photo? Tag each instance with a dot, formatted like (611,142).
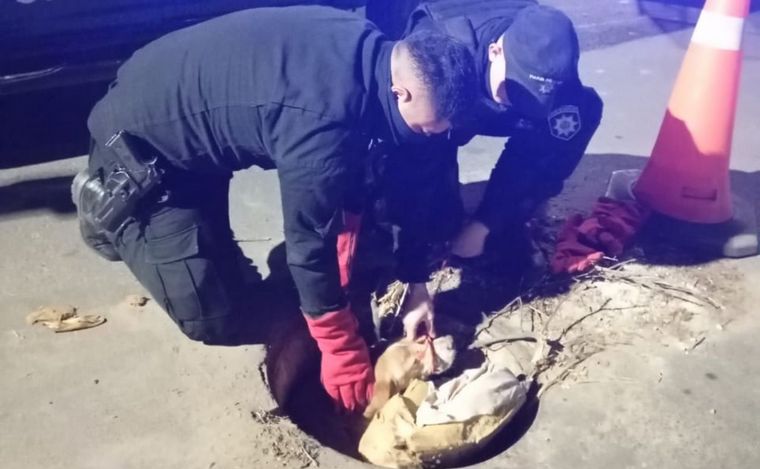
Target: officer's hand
(418,319)
(347,373)
(351,397)
(471,240)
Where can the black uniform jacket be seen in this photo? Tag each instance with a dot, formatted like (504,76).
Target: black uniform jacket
(302,89)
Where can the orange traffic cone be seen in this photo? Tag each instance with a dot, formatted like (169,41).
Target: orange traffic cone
(687,175)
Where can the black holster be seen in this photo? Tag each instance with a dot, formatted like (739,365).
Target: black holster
(108,200)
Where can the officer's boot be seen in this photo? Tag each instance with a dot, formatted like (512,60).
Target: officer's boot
(83,197)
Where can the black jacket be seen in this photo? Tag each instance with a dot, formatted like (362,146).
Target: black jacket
(540,154)
(302,89)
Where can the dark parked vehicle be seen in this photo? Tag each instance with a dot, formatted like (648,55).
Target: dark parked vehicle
(53,43)
(58,56)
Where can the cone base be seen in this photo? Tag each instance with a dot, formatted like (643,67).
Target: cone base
(664,190)
(735,238)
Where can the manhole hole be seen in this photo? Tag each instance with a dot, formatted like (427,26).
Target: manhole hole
(292,368)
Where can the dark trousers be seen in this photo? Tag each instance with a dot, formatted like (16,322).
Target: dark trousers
(180,247)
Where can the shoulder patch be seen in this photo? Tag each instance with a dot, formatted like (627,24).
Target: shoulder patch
(565,122)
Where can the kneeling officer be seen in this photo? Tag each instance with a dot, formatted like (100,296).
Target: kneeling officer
(303,90)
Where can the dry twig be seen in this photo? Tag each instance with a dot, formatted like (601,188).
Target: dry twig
(308,455)
(401,301)
(655,283)
(505,310)
(697,343)
(254,240)
(565,373)
(581,319)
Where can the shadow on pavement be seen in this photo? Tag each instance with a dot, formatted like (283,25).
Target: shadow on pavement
(53,194)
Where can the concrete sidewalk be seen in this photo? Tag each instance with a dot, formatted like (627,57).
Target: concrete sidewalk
(135,393)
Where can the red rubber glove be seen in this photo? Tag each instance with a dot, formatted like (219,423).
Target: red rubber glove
(347,373)
(347,240)
(571,255)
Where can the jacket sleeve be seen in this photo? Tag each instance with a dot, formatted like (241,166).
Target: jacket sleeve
(314,168)
(535,163)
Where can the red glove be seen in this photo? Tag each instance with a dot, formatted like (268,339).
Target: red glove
(612,224)
(583,242)
(347,373)
(571,255)
(347,240)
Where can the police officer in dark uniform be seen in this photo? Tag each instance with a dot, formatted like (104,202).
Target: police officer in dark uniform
(526,57)
(303,90)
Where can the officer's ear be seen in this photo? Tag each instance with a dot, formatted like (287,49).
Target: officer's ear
(403,95)
(495,51)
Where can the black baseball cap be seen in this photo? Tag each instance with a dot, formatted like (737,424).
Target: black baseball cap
(541,49)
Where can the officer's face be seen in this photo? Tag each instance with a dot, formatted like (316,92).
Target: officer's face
(417,109)
(498,72)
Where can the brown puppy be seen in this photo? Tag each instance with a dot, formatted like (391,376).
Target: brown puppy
(406,360)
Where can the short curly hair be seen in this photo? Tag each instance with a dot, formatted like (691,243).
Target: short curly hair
(447,67)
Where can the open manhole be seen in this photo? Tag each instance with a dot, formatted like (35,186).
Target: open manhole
(292,368)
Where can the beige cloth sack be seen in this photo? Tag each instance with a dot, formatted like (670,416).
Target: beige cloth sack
(429,426)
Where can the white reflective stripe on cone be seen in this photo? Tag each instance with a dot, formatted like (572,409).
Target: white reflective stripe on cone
(719,31)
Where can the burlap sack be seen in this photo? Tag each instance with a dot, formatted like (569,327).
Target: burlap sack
(393,439)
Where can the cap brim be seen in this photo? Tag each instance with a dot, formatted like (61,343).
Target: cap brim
(524,94)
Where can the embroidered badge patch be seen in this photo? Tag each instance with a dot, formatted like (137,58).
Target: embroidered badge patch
(565,122)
